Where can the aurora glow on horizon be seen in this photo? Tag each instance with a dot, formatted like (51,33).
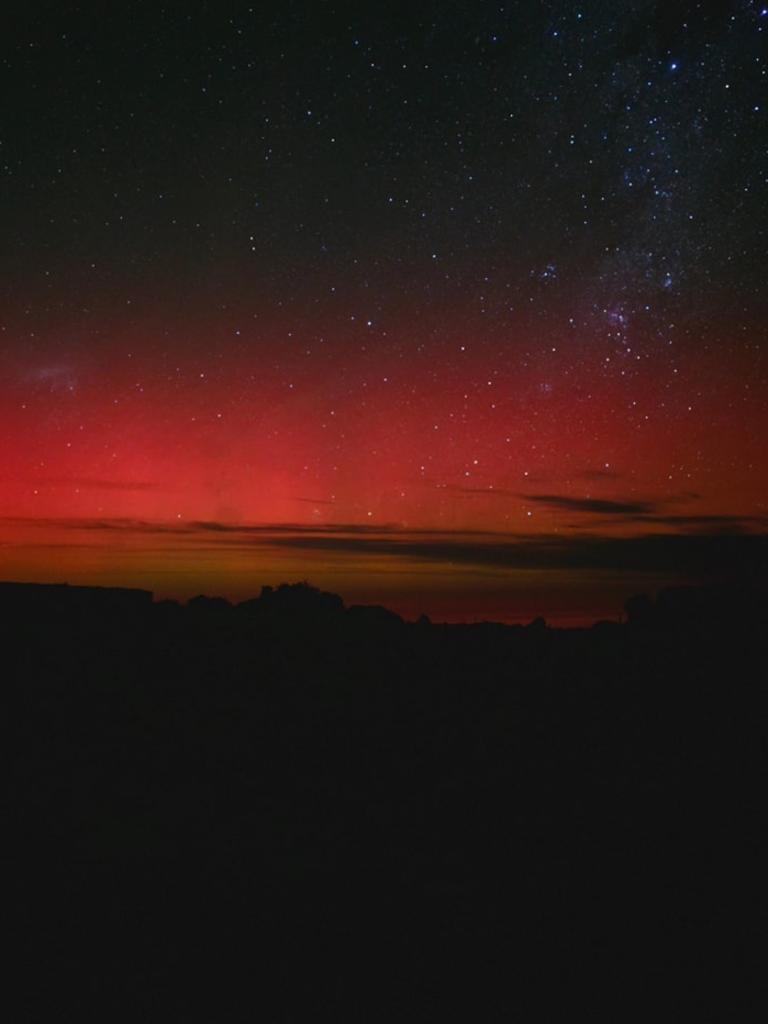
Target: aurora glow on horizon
(460,309)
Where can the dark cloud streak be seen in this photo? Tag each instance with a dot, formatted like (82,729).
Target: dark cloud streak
(728,551)
(601,506)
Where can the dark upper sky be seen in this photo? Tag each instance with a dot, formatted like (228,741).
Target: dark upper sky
(349,261)
(615,152)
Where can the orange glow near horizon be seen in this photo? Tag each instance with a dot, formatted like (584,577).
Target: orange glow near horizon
(148,442)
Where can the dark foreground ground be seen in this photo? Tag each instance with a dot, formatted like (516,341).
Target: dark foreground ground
(288,811)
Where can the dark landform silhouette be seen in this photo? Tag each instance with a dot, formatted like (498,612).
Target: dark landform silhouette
(289,810)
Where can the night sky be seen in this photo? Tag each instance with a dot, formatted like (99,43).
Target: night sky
(456,307)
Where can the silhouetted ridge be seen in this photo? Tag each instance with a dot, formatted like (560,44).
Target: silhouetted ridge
(50,598)
(683,607)
(716,606)
(300,600)
(272,809)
